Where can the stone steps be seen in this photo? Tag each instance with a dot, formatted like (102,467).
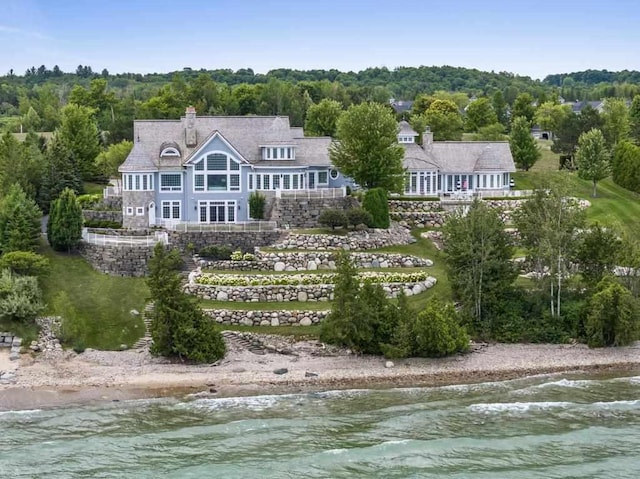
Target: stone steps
(145,341)
(236,339)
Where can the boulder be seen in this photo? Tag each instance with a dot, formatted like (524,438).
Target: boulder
(222,296)
(306,321)
(279,266)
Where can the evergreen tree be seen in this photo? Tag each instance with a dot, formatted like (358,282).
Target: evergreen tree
(179,327)
(634,119)
(613,316)
(524,148)
(79,133)
(61,171)
(376,203)
(64,230)
(19,222)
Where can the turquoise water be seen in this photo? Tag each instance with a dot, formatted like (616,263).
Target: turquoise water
(541,427)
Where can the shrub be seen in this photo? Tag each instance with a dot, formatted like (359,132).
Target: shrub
(89,201)
(25,263)
(65,222)
(375,202)
(256,205)
(236,255)
(333,217)
(358,216)
(216,252)
(612,316)
(20,297)
(102,224)
(249,257)
(436,332)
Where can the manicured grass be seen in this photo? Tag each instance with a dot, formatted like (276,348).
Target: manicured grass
(264,306)
(93,188)
(549,161)
(103,301)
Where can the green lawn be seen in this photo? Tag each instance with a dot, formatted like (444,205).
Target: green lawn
(103,301)
(93,188)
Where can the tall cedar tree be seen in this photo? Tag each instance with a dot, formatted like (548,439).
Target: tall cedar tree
(598,251)
(64,229)
(613,317)
(19,222)
(179,327)
(592,158)
(634,119)
(61,171)
(478,259)
(79,133)
(368,150)
(625,165)
(524,148)
(376,203)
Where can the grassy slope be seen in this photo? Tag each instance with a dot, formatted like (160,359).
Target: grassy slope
(103,301)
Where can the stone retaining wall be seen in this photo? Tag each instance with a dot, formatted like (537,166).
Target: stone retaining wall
(266,318)
(243,240)
(12,342)
(356,240)
(401,206)
(302,293)
(102,215)
(118,260)
(287,261)
(304,212)
(415,219)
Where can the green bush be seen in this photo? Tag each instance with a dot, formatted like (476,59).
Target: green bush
(612,316)
(236,255)
(436,332)
(115,225)
(20,298)
(64,229)
(358,216)
(256,205)
(249,257)
(89,201)
(25,263)
(332,218)
(375,202)
(216,252)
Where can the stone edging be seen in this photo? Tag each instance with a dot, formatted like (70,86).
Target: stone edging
(267,318)
(301,293)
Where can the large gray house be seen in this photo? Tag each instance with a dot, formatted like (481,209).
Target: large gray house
(203,169)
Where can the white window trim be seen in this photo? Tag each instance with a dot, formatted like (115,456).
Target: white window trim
(205,172)
(171,189)
(318,182)
(334,174)
(129,211)
(171,204)
(225,203)
(275,152)
(139,210)
(130,180)
(170,151)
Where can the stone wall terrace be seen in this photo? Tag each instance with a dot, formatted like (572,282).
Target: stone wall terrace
(266,318)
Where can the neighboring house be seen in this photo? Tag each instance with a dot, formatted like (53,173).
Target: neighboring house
(539,134)
(203,169)
(401,106)
(445,167)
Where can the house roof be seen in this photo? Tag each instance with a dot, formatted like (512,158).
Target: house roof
(470,156)
(401,106)
(405,129)
(418,158)
(246,134)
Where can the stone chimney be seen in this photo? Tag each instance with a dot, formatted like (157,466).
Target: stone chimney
(427,137)
(190,135)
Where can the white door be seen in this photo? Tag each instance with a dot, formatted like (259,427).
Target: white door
(152,214)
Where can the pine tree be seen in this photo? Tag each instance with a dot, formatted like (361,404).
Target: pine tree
(19,222)
(524,149)
(65,222)
(61,171)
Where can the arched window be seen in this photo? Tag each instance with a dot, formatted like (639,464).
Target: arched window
(170,151)
(216,172)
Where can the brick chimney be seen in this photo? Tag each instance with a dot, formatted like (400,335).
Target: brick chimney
(427,137)
(191,138)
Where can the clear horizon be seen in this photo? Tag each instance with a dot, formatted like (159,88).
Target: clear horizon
(143,36)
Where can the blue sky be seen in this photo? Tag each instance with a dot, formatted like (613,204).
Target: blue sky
(528,38)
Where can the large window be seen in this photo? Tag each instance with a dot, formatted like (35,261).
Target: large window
(217,211)
(171,210)
(421,183)
(277,181)
(171,182)
(216,172)
(137,182)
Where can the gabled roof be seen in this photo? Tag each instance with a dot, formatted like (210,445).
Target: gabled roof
(406,130)
(470,156)
(418,158)
(401,106)
(245,134)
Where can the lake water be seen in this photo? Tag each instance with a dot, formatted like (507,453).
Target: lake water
(542,427)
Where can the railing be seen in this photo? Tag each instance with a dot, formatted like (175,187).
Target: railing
(465,196)
(116,240)
(307,194)
(249,226)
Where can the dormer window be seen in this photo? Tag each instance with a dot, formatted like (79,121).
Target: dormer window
(406,139)
(170,152)
(278,152)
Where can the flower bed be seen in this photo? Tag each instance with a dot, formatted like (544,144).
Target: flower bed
(212,279)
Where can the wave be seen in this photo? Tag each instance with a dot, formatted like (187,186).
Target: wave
(616,404)
(19,412)
(518,406)
(255,403)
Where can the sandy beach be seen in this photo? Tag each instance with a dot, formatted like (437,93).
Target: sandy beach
(65,377)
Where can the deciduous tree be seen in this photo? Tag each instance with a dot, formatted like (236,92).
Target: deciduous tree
(480,114)
(592,158)
(367,150)
(322,118)
(79,133)
(524,148)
